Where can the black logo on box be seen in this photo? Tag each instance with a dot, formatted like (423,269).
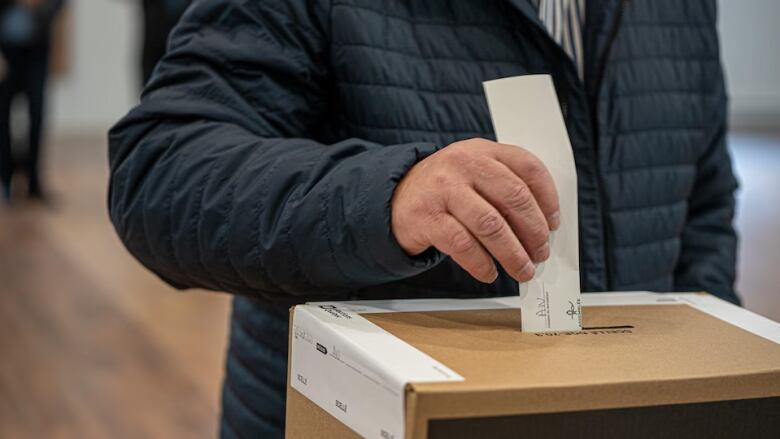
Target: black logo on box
(341,406)
(335,311)
(302,379)
(384,434)
(322,349)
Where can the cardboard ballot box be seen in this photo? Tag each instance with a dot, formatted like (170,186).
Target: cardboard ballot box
(644,365)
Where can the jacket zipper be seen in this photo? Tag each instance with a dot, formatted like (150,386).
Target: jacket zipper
(595,129)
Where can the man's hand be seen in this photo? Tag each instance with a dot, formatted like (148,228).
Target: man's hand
(478,198)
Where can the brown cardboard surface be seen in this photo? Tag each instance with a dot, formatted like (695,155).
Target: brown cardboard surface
(306,420)
(628,356)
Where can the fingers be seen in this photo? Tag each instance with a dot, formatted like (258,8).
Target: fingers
(452,238)
(477,201)
(533,172)
(512,197)
(489,227)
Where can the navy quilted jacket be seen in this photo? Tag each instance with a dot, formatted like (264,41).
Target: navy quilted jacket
(263,156)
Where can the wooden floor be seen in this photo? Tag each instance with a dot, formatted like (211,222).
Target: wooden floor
(93,346)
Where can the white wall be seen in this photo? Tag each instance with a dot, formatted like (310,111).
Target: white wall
(750,41)
(102,83)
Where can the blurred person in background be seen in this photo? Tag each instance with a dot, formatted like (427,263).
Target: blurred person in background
(159,17)
(25,41)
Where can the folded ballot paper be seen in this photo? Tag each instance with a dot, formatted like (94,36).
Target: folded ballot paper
(525,113)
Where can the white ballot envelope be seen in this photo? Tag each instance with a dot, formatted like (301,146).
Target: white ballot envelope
(526,113)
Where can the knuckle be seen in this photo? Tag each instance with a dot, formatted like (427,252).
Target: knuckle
(455,158)
(469,148)
(519,197)
(517,151)
(456,190)
(480,142)
(534,167)
(482,167)
(460,242)
(443,177)
(490,225)
(451,192)
(419,207)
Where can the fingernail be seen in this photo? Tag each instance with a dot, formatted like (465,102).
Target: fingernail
(527,272)
(555,220)
(492,276)
(543,253)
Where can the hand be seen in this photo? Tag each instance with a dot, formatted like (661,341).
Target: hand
(475,199)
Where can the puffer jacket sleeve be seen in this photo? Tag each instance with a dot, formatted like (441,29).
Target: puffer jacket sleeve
(709,241)
(216,183)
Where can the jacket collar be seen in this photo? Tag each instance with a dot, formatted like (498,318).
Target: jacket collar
(528,10)
(599,15)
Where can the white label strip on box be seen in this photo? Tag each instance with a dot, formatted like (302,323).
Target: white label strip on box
(526,113)
(355,370)
(733,314)
(706,303)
